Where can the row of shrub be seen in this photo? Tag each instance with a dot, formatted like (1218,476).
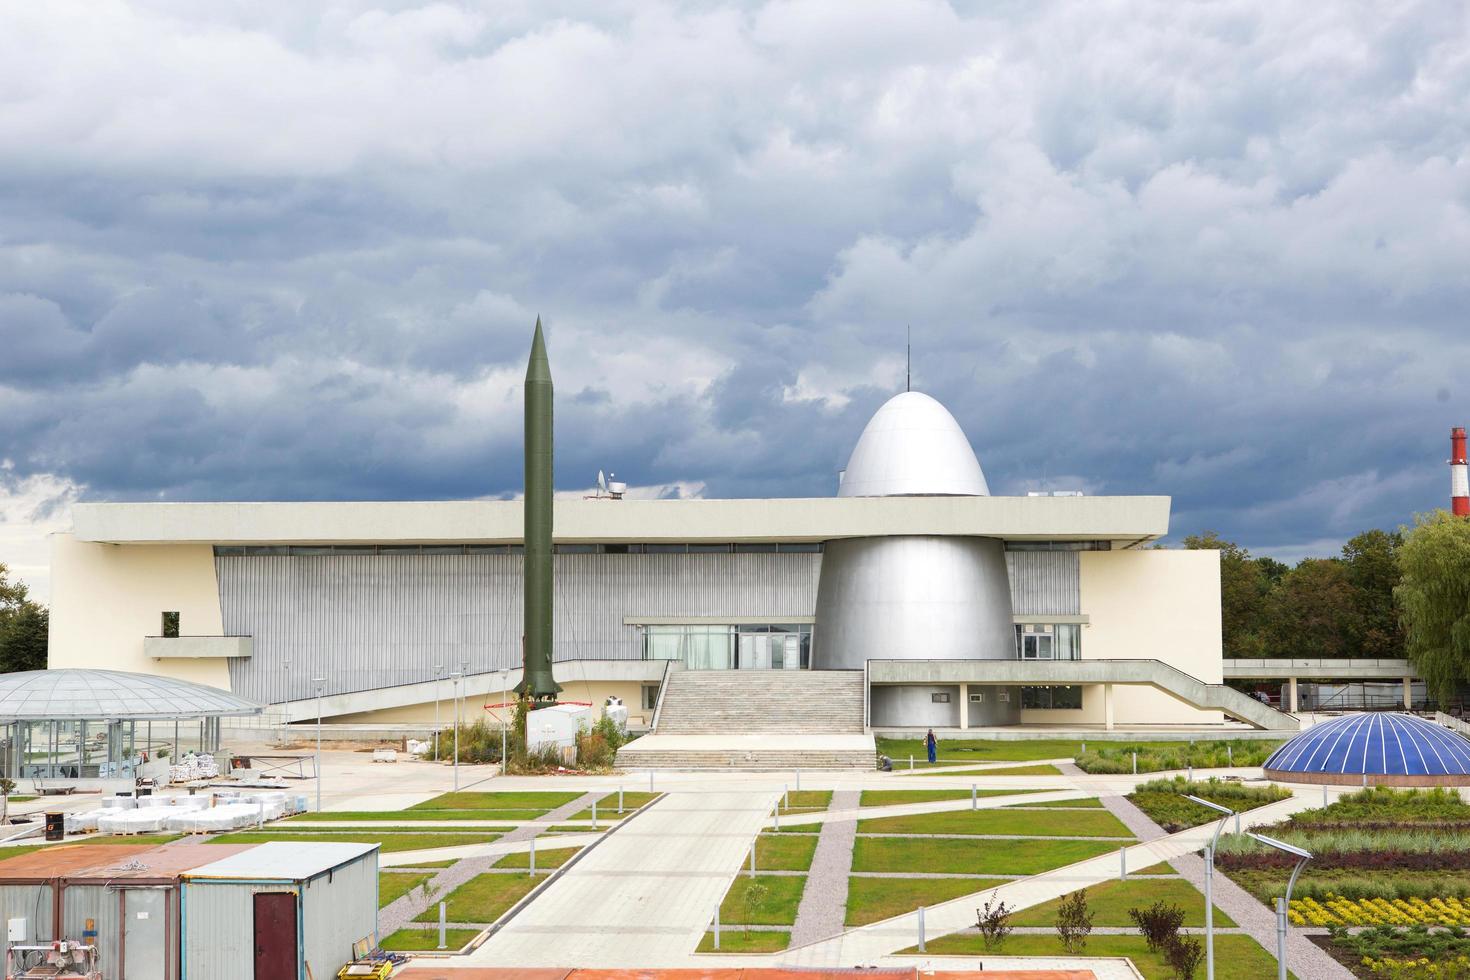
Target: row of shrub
(480,742)
(1117,758)
(1164,800)
(1385,806)
(1351,848)
(1414,953)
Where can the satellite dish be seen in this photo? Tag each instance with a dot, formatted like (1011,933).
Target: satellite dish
(601,481)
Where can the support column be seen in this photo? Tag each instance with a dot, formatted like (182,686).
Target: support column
(1408,693)
(965,704)
(1292,695)
(1108,707)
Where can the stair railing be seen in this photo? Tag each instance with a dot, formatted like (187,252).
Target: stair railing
(663,690)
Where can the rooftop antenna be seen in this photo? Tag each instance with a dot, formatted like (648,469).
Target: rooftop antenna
(908,358)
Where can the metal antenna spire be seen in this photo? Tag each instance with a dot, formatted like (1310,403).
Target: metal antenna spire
(908,355)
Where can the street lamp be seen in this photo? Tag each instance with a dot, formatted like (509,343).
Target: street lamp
(455,677)
(321,687)
(438,669)
(1302,857)
(504,691)
(1210,880)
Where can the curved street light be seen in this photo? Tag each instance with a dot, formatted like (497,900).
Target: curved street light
(1227,813)
(1302,857)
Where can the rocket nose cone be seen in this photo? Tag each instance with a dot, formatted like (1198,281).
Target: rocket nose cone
(538,368)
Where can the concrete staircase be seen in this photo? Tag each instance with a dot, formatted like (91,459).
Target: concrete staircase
(757,719)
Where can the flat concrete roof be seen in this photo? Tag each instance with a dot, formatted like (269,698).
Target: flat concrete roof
(1125,521)
(280,861)
(1314,669)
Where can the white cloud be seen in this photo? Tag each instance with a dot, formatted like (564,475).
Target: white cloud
(31,508)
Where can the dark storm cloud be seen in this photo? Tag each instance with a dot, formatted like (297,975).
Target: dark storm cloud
(1214,251)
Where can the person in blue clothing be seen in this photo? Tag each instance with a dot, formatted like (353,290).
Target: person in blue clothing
(932,745)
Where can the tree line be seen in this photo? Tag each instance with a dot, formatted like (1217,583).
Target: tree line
(1402,593)
(23,627)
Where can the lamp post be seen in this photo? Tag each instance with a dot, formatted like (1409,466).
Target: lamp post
(455,677)
(504,691)
(321,687)
(438,669)
(1226,813)
(1302,857)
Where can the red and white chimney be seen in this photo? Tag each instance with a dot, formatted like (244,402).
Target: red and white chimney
(1459,478)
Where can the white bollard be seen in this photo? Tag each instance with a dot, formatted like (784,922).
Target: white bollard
(1237,823)
(594,814)
(1084,749)
(785,798)
(1135,763)
(443,942)
(1229,754)
(620,798)
(798,780)
(911,762)
(752,858)
(1122,864)
(717,927)
(1190,770)
(650,780)
(921,928)
(777,818)
(533,857)
(974,796)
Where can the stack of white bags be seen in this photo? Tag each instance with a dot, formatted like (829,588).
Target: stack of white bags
(185,814)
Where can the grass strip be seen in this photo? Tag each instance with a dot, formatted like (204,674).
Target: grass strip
(784,853)
(978,750)
(512,800)
(553,857)
(389,843)
(1089,803)
(1236,957)
(891,855)
(777,908)
(484,898)
(411,940)
(1062,823)
(875,899)
(409,816)
(1111,900)
(892,797)
(735,941)
(807,799)
(1007,771)
(393,885)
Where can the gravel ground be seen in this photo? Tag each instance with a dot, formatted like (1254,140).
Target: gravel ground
(823,907)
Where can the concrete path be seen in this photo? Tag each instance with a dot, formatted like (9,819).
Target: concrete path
(870,943)
(823,909)
(977,767)
(405,908)
(834,814)
(644,896)
(499,848)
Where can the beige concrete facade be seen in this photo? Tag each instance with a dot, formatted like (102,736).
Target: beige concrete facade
(1147,605)
(592,691)
(105,599)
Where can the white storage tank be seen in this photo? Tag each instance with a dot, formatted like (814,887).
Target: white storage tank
(279,910)
(557,725)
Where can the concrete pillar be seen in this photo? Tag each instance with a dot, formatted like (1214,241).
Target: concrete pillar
(1408,693)
(965,704)
(1108,706)
(1291,695)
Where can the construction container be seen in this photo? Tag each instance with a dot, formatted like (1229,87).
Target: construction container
(122,898)
(279,911)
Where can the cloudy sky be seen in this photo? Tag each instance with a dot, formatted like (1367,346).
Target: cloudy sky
(294,251)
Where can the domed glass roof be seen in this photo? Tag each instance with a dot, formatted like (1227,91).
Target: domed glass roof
(1380,745)
(71,694)
(912,446)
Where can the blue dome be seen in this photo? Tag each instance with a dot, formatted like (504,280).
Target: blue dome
(1390,749)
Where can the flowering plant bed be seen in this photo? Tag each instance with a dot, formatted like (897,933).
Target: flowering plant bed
(1337,911)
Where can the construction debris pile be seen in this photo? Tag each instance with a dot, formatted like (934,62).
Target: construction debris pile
(192,767)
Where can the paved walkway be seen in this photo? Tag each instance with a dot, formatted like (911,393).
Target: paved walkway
(823,909)
(900,767)
(645,895)
(499,848)
(834,814)
(871,943)
(406,908)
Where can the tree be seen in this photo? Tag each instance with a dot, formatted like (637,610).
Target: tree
(1372,560)
(23,628)
(1433,595)
(1313,611)
(1074,921)
(1243,588)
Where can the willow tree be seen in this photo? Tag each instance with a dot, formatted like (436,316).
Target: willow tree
(1434,600)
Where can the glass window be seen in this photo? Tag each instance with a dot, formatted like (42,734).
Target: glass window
(1051,697)
(650,697)
(939,697)
(1069,641)
(170,624)
(755,548)
(666,549)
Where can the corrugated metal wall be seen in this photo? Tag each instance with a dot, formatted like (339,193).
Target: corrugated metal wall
(99,903)
(336,911)
(1044,583)
(372,621)
(32,903)
(219,929)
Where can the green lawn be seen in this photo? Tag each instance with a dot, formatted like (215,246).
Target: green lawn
(525,800)
(1162,868)
(607,806)
(890,797)
(785,853)
(734,941)
(807,799)
(943,856)
(484,898)
(427,864)
(390,842)
(410,816)
(783,894)
(411,940)
(1111,900)
(553,857)
(939,770)
(800,828)
(953,750)
(1236,957)
(873,899)
(1062,823)
(23,799)
(393,885)
(1089,803)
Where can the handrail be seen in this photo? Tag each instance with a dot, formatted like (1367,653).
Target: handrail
(663,689)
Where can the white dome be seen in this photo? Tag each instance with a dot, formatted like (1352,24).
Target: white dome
(912,446)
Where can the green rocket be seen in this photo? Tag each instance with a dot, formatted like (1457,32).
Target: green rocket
(536,680)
